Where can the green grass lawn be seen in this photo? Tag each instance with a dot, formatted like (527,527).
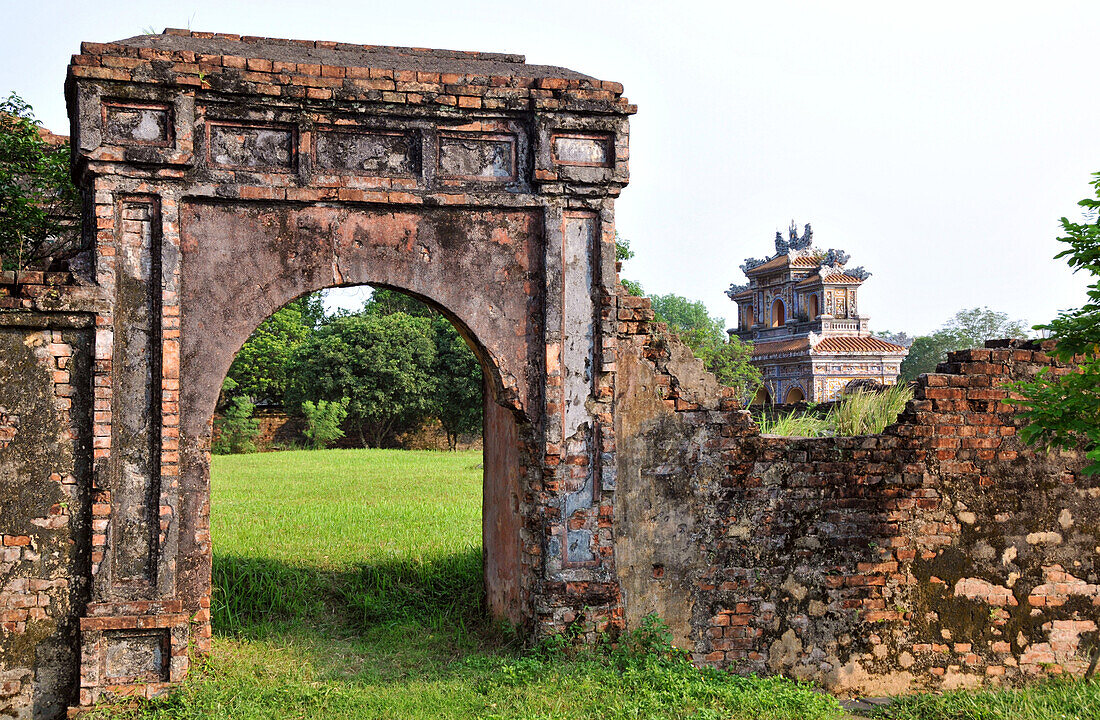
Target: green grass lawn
(348,585)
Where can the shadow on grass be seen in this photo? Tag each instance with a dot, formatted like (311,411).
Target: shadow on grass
(258,597)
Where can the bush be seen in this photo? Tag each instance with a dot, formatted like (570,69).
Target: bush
(323,421)
(237,429)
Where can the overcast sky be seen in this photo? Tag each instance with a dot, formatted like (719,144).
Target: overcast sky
(938,143)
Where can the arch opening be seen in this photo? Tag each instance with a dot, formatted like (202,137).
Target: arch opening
(460,272)
(779,313)
(794,395)
(814,307)
(351,497)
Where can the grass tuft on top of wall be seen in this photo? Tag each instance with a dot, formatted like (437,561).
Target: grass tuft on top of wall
(857,413)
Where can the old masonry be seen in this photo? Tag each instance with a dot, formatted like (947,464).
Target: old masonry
(224,176)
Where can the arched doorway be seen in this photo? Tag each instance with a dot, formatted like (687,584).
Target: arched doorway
(794,395)
(779,313)
(749,318)
(217,202)
(814,306)
(360,527)
(219,312)
(762,397)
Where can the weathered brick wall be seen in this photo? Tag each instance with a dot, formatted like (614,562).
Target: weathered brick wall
(45,522)
(942,553)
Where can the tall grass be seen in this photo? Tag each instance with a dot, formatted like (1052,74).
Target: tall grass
(857,413)
(865,413)
(795,425)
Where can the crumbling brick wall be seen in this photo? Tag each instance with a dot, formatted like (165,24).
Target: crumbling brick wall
(45,524)
(941,553)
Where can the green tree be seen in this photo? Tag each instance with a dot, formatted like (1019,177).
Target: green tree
(323,421)
(260,367)
(39,205)
(457,402)
(967,328)
(976,325)
(459,393)
(683,315)
(926,352)
(384,301)
(383,365)
(728,358)
(1063,409)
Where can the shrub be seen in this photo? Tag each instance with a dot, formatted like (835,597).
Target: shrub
(237,429)
(323,421)
(39,205)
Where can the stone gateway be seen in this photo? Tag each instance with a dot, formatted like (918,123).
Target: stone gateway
(223,176)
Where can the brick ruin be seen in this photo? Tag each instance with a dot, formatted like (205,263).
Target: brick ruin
(227,175)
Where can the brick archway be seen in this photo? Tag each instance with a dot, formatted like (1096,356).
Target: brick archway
(228,175)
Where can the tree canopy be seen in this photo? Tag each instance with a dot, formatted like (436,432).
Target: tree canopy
(727,357)
(259,371)
(967,328)
(382,364)
(1063,410)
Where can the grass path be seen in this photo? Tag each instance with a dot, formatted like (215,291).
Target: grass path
(348,585)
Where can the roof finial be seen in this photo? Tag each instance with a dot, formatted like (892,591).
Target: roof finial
(781,245)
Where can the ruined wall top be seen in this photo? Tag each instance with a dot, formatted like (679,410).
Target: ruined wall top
(348,72)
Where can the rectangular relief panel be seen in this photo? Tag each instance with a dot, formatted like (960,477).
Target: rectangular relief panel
(248,146)
(136,383)
(578,360)
(585,150)
(129,123)
(136,656)
(477,156)
(372,153)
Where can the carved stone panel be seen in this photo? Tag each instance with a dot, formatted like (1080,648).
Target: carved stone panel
(251,147)
(371,153)
(477,156)
(137,400)
(136,655)
(126,123)
(584,150)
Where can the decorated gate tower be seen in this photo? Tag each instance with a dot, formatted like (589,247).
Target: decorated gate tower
(800,310)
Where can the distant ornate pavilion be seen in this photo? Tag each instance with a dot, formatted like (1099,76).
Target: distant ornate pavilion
(800,312)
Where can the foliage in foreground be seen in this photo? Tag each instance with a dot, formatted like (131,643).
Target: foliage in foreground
(1064,411)
(857,413)
(1047,700)
(39,205)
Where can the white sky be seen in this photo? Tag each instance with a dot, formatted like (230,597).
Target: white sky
(937,142)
